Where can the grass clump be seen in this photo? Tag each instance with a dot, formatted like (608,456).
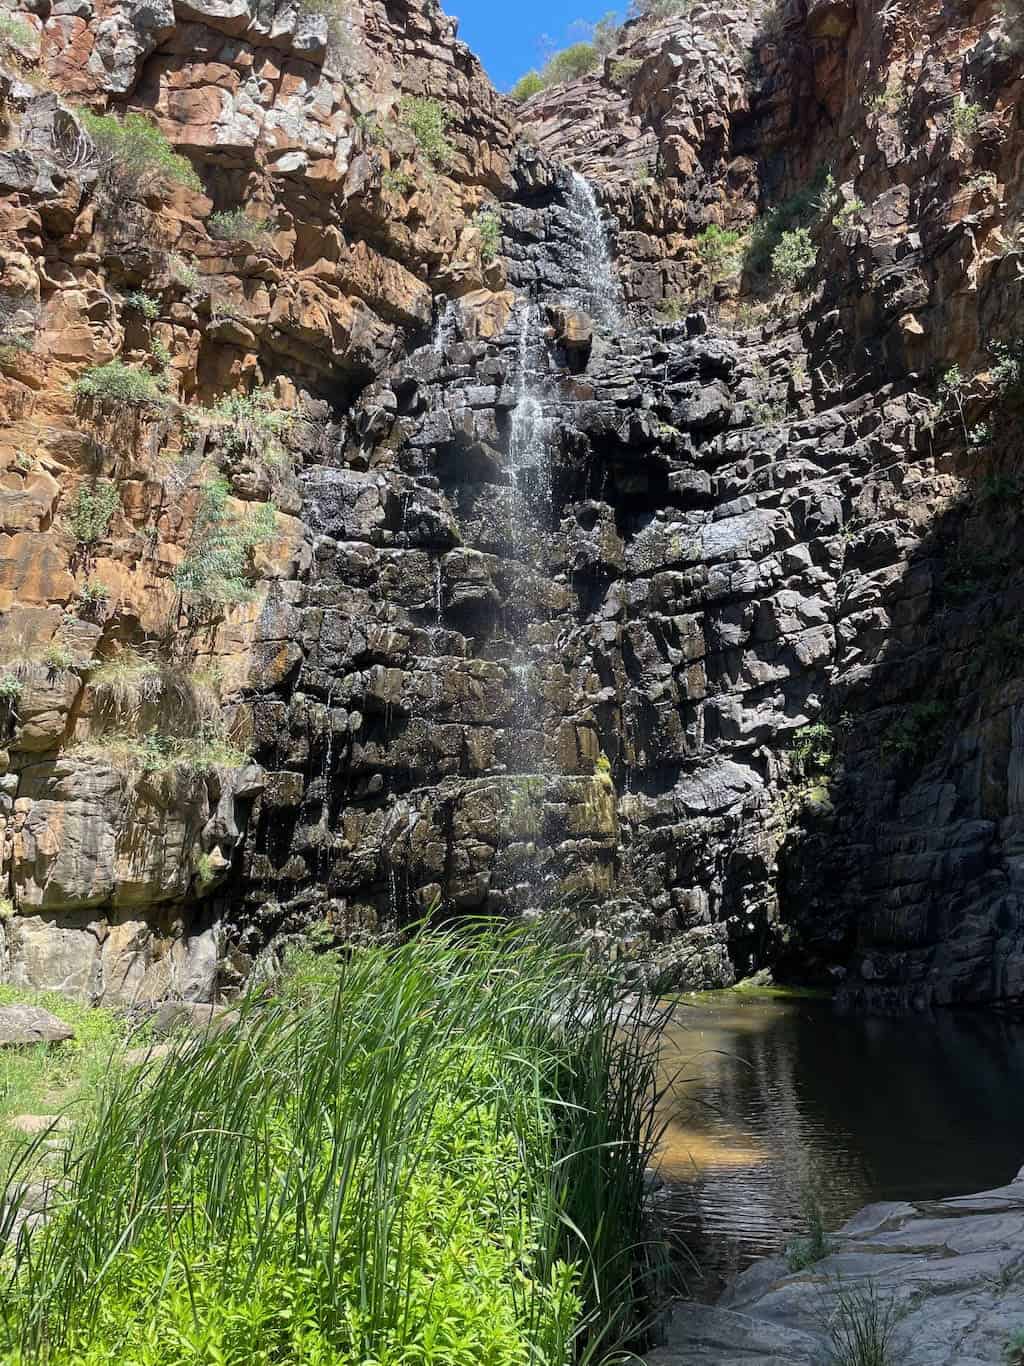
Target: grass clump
(47,1077)
(237,225)
(215,569)
(116,382)
(432,1153)
(248,423)
(133,157)
(14,32)
(815,1245)
(92,510)
(427,120)
(720,251)
(965,118)
(862,1327)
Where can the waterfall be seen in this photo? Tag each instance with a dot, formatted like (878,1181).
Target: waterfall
(445,329)
(529,439)
(597,291)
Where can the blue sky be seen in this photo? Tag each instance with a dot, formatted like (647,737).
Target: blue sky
(507,36)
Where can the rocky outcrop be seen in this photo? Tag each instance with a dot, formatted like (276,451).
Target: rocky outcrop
(679,597)
(930,1283)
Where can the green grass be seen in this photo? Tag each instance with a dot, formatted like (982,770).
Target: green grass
(427,1154)
(47,1077)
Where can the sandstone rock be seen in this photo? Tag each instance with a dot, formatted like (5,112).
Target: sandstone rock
(24,1025)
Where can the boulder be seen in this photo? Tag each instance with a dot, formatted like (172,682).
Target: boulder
(21,1026)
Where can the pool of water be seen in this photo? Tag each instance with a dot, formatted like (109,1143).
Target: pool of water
(767,1099)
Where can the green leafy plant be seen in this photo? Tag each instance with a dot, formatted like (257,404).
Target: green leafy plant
(720,250)
(444,1157)
(91,513)
(849,215)
(215,567)
(1014,1349)
(397,182)
(815,1245)
(623,69)
(427,120)
(814,747)
(965,118)
(913,734)
(1007,373)
(116,382)
(803,209)
(133,157)
(10,691)
(14,32)
(794,257)
(237,225)
(527,86)
(141,302)
(92,598)
(251,423)
(488,226)
(58,656)
(183,271)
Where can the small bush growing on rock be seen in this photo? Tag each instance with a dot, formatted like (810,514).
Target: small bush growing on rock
(58,657)
(815,1246)
(1015,1348)
(116,382)
(427,120)
(92,597)
(658,9)
(1007,373)
(237,225)
(13,32)
(133,157)
(849,215)
(489,228)
(215,568)
(527,86)
(913,734)
(965,118)
(571,63)
(397,182)
(253,423)
(183,271)
(794,258)
(93,508)
(10,691)
(623,70)
(719,249)
(141,302)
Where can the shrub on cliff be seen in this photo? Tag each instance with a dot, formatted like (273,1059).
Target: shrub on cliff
(133,157)
(794,258)
(215,569)
(237,225)
(526,86)
(116,382)
(432,1153)
(427,120)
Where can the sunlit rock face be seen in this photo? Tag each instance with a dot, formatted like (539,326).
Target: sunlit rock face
(609,575)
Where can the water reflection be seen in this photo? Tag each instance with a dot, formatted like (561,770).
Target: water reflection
(764,1097)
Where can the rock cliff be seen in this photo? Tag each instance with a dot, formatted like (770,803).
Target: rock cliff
(491,539)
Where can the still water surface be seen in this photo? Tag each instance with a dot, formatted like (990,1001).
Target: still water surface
(766,1097)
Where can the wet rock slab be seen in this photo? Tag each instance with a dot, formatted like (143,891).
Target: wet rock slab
(951,1270)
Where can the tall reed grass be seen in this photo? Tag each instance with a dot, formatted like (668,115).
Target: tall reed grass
(426,1155)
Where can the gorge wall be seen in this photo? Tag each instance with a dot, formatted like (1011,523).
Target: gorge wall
(672,598)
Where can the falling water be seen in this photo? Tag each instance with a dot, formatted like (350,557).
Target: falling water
(597,291)
(445,330)
(529,442)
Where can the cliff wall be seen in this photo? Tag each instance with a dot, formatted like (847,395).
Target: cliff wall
(681,599)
